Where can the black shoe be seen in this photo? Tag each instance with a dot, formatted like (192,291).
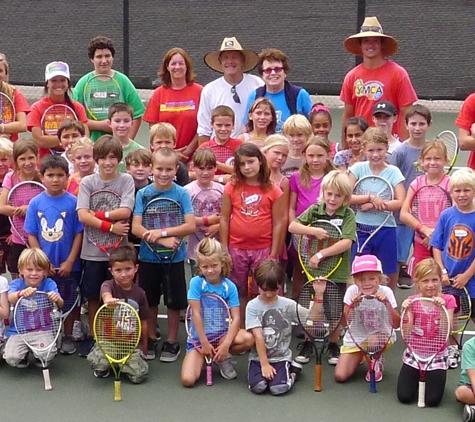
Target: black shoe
(295,370)
(405,281)
(333,353)
(306,350)
(170,352)
(152,349)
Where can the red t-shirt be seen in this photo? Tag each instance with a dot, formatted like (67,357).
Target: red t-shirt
(224,152)
(37,110)
(465,119)
(21,105)
(178,107)
(363,88)
(250,226)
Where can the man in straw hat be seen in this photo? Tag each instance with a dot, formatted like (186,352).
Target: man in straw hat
(232,89)
(376,78)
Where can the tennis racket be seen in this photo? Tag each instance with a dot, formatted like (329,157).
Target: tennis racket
(224,154)
(319,312)
(117,333)
(452,144)
(428,203)
(20,195)
(7,109)
(160,214)
(372,185)
(462,313)
(309,245)
(370,327)
(216,320)
(103,200)
(206,203)
(52,118)
(100,92)
(38,322)
(425,330)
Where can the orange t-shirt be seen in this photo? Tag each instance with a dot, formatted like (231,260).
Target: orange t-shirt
(250,225)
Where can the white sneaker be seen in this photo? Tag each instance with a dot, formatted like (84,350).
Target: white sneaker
(78,333)
(454,356)
(226,369)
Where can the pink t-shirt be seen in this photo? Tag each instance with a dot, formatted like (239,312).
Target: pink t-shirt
(363,88)
(305,197)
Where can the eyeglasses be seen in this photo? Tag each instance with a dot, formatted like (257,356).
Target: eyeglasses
(236,98)
(372,29)
(269,70)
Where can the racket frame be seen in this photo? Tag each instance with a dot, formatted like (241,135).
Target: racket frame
(9,103)
(87,103)
(198,211)
(443,136)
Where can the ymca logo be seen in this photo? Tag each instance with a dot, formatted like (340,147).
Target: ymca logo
(372,90)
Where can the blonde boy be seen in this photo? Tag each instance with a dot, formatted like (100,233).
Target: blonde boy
(297,130)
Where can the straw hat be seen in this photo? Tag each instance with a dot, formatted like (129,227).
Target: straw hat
(231,44)
(371,28)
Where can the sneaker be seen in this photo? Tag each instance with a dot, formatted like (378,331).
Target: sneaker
(468,413)
(405,281)
(170,352)
(226,369)
(306,350)
(86,347)
(84,308)
(158,334)
(378,371)
(67,346)
(78,333)
(152,349)
(333,353)
(454,357)
(295,370)
(299,331)
(102,374)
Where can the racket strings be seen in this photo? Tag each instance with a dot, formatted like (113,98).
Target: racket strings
(374,186)
(207,202)
(428,203)
(463,309)
(222,153)
(7,109)
(37,313)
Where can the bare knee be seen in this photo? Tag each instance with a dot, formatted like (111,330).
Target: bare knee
(187,380)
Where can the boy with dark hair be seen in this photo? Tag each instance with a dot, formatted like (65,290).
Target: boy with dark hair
(69,132)
(418,120)
(107,153)
(101,52)
(123,267)
(120,120)
(151,272)
(53,226)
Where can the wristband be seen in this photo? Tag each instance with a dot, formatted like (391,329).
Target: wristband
(205,220)
(221,179)
(444,271)
(18,295)
(319,256)
(112,228)
(164,233)
(107,215)
(318,300)
(105,226)
(419,227)
(101,215)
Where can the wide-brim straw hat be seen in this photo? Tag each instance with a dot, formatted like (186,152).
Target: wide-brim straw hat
(231,44)
(371,28)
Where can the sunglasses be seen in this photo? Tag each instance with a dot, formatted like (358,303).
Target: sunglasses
(236,98)
(372,29)
(269,70)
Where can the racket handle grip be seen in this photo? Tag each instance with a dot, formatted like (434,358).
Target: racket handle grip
(47,379)
(422,394)
(318,378)
(372,381)
(117,393)
(209,375)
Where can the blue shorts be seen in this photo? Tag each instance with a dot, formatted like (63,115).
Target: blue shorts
(383,245)
(405,238)
(281,382)
(94,273)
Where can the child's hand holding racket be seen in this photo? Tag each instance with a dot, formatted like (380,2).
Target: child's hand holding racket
(319,233)
(381,297)
(65,269)
(121,228)
(221,352)
(319,286)
(405,304)
(356,299)
(211,230)
(439,301)
(460,280)
(314,261)
(29,291)
(54,297)
(111,301)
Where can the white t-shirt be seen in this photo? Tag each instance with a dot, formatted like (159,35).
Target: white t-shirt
(218,92)
(3,289)
(370,306)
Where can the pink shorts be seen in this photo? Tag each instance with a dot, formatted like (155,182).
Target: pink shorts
(243,261)
(420,253)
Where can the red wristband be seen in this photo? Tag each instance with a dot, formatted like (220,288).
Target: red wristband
(205,220)
(18,295)
(101,215)
(105,226)
(419,227)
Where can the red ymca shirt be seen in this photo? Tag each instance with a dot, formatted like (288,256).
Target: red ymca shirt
(363,88)
(465,120)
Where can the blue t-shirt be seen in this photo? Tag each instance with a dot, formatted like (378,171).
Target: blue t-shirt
(226,290)
(304,105)
(53,220)
(454,236)
(47,285)
(392,175)
(144,196)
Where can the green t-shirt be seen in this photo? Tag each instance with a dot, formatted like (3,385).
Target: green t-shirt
(468,360)
(344,218)
(132,146)
(129,94)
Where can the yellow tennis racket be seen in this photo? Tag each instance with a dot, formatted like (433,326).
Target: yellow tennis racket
(117,332)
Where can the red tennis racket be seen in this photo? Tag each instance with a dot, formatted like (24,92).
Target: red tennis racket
(224,154)
(212,324)
(425,328)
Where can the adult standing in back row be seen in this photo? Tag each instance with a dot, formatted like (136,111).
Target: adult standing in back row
(232,89)
(287,98)
(375,79)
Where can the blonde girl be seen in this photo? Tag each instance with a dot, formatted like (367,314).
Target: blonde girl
(297,130)
(84,164)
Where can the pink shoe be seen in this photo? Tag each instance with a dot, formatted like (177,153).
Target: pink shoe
(378,370)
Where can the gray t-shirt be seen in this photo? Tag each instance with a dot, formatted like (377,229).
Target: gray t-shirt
(276,323)
(291,166)
(122,185)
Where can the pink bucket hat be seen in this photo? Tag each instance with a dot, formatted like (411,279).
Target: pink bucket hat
(366,263)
